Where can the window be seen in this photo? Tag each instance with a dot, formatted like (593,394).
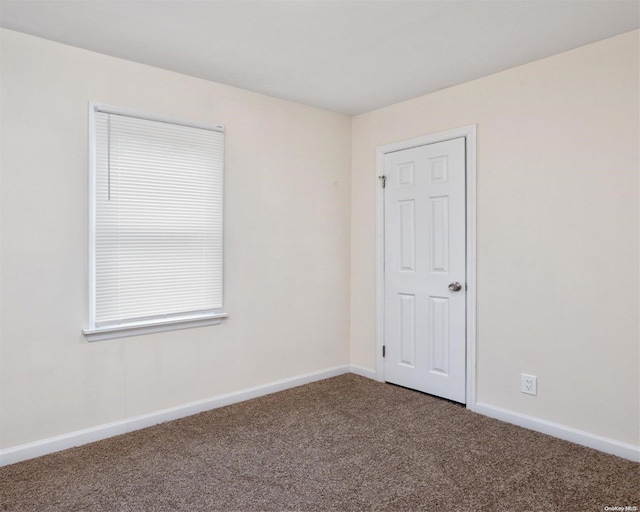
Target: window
(156,206)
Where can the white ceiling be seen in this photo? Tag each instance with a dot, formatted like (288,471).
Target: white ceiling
(344,56)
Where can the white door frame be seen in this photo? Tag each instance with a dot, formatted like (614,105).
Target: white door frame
(469,133)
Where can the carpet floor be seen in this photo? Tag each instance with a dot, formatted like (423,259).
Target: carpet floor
(342,444)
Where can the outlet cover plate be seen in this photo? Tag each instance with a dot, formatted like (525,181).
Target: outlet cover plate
(529,384)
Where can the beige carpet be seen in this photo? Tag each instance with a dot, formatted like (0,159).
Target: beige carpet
(343,444)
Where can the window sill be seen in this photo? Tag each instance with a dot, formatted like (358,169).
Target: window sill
(135,329)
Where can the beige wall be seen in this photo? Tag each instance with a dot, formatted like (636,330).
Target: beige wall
(287,245)
(557,178)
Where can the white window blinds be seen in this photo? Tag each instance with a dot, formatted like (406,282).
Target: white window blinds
(158,220)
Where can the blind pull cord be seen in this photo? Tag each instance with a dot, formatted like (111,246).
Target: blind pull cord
(108,157)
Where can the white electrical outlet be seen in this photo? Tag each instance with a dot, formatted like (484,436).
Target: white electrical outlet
(529,384)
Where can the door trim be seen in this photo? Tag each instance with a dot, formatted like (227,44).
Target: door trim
(469,133)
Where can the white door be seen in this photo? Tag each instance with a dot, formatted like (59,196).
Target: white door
(425,262)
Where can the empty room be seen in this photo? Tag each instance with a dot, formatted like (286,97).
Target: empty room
(320,255)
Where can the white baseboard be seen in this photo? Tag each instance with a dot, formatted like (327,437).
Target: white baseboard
(62,442)
(601,443)
(363,372)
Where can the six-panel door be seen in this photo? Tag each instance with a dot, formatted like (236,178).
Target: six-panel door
(424,212)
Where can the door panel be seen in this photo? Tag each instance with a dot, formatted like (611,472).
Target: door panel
(407,329)
(425,235)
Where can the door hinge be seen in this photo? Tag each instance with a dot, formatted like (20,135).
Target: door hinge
(383,180)
(384,350)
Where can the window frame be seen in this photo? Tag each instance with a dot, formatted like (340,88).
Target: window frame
(94,333)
